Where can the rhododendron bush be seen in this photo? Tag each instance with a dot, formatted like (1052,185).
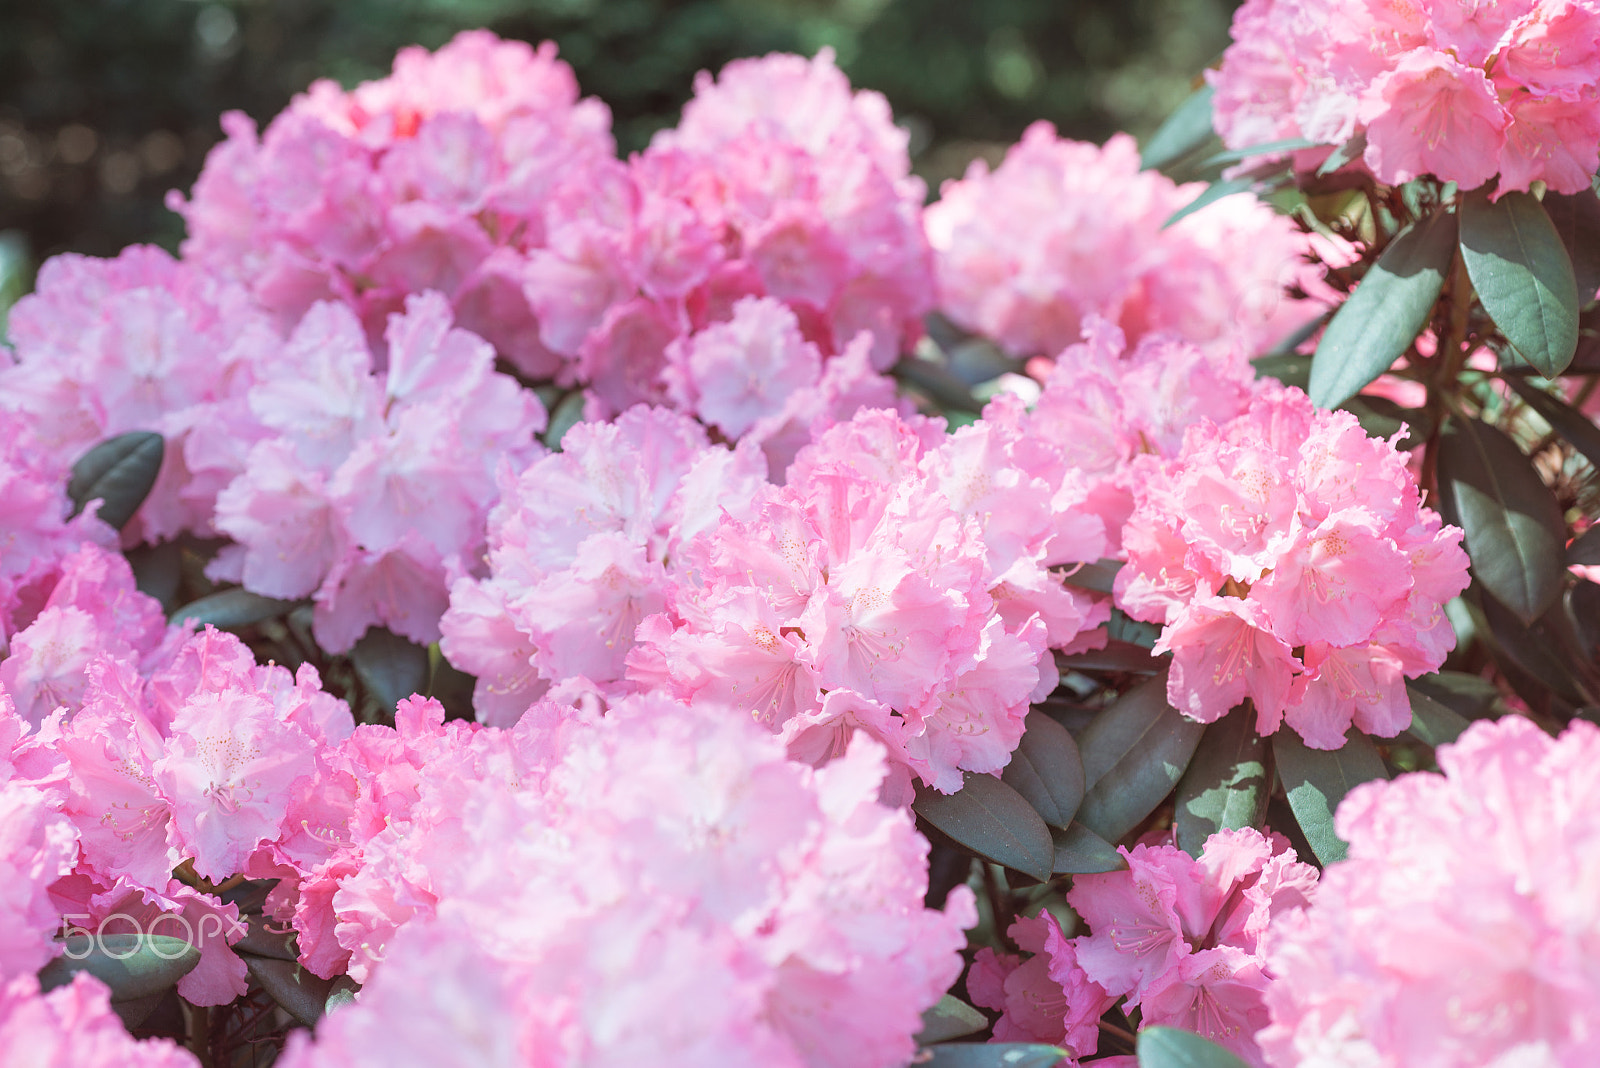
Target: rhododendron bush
(488,601)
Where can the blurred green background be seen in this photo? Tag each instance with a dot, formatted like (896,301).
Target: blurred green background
(107,104)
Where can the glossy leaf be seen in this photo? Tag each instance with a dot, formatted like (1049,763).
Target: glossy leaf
(1079,851)
(1523,276)
(263,938)
(1577,428)
(1123,628)
(1432,722)
(1290,368)
(1385,313)
(1515,535)
(1266,148)
(1576,217)
(1344,154)
(1047,770)
(1316,780)
(343,993)
(950,1018)
(1213,193)
(119,471)
(389,666)
(1099,576)
(1115,656)
(1226,785)
(158,571)
(1171,1047)
(567,414)
(1467,695)
(233,609)
(1585,550)
(303,994)
(1380,417)
(1134,753)
(134,966)
(994,821)
(990,1055)
(1186,130)
(1536,648)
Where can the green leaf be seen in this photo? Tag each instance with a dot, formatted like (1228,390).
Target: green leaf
(260,940)
(1186,130)
(1123,628)
(157,571)
(1227,784)
(950,1018)
(1433,723)
(1535,648)
(1290,368)
(234,608)
(1344,154)
(1586,549)
(567,414)
(119,471)
(1316,780)
(1171,1047)
(1213,193)
(1134,753)
(1515,536)
(1563,418)
(343,993)
(935,380)
(1380,417)
(303,994)
(1384,314)
(1046,770)
(991,1055)
(1268,148)
(1467,695)
(134,966)
(1099,576)
(389,666)
(1576,217)
(1115,656)
(1523,276)
(1079,851)
(994,821)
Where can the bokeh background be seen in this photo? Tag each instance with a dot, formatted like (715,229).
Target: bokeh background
(107,104)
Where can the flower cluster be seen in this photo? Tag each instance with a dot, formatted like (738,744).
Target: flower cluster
(1291,561)
(1063,230)
(74,1027)
(439,177)
(1462,928)
(1461,91)
(660,884)
(369,490)
(898,583)
(779,182)
(139,342)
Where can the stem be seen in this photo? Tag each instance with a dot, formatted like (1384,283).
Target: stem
(198,1017)
(1448,360)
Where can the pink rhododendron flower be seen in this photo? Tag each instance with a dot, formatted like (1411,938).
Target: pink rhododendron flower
(1063,230)
(38,845)
(74,1027)
(373,488)
(1029,997)
(139,342)
(1460,929)
(1290,560)
(438,177)
(1461,91)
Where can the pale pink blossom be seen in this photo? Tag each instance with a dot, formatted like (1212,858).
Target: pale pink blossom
(74,1027)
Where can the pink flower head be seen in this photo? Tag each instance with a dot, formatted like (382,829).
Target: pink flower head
(75,1027)
(1291,561)
(1063,230)
(39,845)
(437,177)
(1460,929)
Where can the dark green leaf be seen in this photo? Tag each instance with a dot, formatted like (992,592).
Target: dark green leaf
(1585,550)
(935,380)
(343,993)
(134,966)
(1046,770)
(1171,1047)
(1316,780)
(1344,154)
(1564,419)
(157,571)
(1122,628)
(991,1055)
(1433,723)
(1515,536)
(1116,656)
(1213,193)
(1380,417)
(950,1018)
(233,609)
(389,666)
(1186,130)
(1098,576)
(136,1011)
(1079,851)
(567,414)
(1227,785)
(303,994)
(1577,219)
(1523,276)
(118,471)
(1537,648)
(992,820)
(1583,609)
(263,938)
(1290,368)
(1268,148)
(1134,753)
(1467,695)
(1384,314)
